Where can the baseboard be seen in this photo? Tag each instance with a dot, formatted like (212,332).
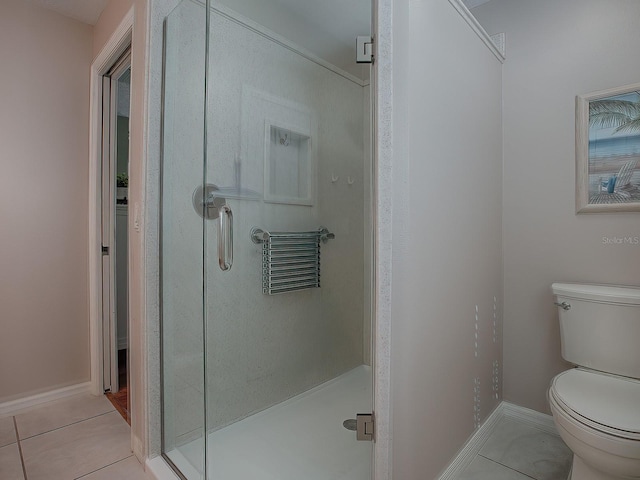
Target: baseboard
(470,449)
(160,470)
(535,419)
(16,406)
(504,410)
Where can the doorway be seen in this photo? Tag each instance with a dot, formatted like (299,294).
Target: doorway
(116,92)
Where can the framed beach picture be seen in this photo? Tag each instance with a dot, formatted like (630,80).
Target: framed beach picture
(608,151)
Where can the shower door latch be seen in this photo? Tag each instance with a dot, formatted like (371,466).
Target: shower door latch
(365,427)
(364,49)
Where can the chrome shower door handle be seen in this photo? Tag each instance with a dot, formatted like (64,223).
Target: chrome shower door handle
(225,238)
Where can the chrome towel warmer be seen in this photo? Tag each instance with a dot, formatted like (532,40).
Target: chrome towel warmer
(290,260)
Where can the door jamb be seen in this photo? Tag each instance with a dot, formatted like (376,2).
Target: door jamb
(113,49)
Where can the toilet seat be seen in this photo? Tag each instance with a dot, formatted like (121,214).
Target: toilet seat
(603,402)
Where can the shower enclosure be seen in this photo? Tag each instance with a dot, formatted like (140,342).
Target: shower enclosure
(266,240)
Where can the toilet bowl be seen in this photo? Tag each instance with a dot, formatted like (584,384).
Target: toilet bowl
(596,406)
(598,417)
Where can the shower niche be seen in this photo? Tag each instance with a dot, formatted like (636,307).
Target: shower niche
(289,167)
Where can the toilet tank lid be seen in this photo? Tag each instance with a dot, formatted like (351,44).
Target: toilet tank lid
(598,293)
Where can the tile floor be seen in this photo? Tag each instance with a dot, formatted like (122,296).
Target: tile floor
(84,437)
(518,451)
(80,437)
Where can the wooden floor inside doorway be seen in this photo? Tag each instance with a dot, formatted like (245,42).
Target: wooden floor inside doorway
(120,400)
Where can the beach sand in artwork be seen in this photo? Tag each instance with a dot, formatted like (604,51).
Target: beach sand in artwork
(602,169)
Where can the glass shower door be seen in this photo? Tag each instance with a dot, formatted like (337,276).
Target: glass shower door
(182,241)
(266,240)
(286,315)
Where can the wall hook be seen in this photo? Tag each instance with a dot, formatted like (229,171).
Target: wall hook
(334,179)
(350,181)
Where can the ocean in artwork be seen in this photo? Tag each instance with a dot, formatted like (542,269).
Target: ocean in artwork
(614,147)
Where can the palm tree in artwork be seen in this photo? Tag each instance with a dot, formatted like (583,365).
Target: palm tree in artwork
(621,113)
(624,115)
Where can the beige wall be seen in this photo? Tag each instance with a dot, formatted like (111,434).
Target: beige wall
(447,255)
(44,93)
(556,49)
(109,20)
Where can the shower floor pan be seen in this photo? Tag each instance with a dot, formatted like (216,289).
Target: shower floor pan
(300,438)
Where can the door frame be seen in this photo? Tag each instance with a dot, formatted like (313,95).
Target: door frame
(110,95)
(119,42)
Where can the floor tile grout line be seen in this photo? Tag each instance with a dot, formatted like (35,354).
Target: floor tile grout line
(51,403)
(24,469)
(507,466)
(68,425)
(105,466)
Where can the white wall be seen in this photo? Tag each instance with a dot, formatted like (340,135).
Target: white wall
(556,49)
(447,177)
(108,21)
(44,90)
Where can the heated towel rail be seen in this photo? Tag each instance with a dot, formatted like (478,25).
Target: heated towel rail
(290,260)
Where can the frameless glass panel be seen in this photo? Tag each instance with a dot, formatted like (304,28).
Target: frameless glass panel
(288,318)
(182,279)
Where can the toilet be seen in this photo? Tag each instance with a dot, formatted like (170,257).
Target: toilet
(596,405)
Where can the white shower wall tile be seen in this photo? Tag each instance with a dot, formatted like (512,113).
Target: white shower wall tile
(190,369)
(189,414)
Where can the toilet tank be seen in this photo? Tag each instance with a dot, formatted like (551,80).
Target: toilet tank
(600,326)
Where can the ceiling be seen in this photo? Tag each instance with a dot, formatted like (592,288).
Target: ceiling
(314,25)
(87,11)
(327,28)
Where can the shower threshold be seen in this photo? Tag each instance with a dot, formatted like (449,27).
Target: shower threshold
(302,437)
